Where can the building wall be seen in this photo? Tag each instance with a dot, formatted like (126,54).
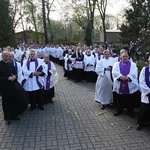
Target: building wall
(111,36)
(29,37)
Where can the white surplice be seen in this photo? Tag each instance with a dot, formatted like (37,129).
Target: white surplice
(103,88)
(133,74)
(53,78)
(89,60)
(19,72)
(144,88)
(18,54)
(66,65)
(31,83)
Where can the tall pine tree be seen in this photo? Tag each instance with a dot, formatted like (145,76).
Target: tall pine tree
(137,25)
(7,36)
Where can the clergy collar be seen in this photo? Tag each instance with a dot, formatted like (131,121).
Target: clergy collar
(4,61)
(125,62)
(32,60)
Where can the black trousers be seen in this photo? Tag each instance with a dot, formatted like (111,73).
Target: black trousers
(89,76)
(36,98)
(144,114)
(129,101)
(48,95)
(125,101)
(8,109)
(68,74)
(78,74)
(115,99)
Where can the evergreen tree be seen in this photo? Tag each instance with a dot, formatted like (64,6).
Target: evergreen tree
(7,36)
(137,25)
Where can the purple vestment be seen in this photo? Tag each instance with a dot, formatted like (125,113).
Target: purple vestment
(124,70)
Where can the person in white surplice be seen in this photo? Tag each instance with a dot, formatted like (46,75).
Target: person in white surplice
(50,80)
(34,70)
(89,69)
(144,112)
(103,88)
(68,61)
(17,66)
(126,85)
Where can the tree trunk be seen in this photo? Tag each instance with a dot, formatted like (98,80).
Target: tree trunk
(50,29)
(104,30)
(44,22)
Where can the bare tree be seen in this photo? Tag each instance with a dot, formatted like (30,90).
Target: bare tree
(84,16)
(49,5)
(102,5)
(44,21)
(32,17)
(15,9)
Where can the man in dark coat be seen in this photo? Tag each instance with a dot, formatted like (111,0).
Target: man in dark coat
(14,98)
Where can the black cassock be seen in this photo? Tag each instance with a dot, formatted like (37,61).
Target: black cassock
(14,97)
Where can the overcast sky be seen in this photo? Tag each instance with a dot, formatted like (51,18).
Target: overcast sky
(114,7)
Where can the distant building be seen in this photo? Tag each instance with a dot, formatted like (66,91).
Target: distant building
(112,36)
(29,37)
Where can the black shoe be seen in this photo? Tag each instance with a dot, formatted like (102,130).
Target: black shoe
(97,102)
(41,108)
(8,122)
(117,113)
(102,107)
(111,106)
(15,118)
(139,127)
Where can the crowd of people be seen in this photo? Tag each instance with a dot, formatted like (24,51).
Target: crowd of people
(29,80)
(116,76)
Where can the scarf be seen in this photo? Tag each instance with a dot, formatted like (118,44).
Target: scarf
(48,77)
(124,70)
(147,74)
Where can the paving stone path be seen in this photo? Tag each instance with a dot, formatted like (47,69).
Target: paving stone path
(73,122)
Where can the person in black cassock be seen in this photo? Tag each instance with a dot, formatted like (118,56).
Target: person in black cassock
(14,98)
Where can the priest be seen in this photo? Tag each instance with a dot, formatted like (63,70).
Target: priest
(144,81)
(17,66)
(89,69)
(34,70)
(68,61)
(50,80)
(103,88)
(78,65)
(14,97)
(126,86)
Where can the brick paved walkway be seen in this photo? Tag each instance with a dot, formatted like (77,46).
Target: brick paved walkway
(73,122)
